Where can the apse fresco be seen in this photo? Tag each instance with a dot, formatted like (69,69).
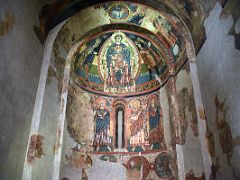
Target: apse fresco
(142,123)
(119,63)
(103,135)
(125,12)
(122,57)
(144,16)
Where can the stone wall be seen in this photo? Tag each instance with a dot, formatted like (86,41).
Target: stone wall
(21,56)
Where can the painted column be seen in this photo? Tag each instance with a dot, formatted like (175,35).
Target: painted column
(202,127)
(36,117)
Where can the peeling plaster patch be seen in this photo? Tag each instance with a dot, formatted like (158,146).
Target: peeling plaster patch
(213,83)
(187,69)
(170,114)
(166,120)
(191,176)
(35,149)
(79,160)
(201,112)
(192,148)
(51,74)
(80,116)
(58,144)
(7,23)
(210,142)
(186,101)
(192,152)
(65,86)
(225,134)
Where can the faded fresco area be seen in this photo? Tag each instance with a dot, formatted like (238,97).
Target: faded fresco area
(92,122)
(6,23)
(134,167)
(192,12)
(130,100)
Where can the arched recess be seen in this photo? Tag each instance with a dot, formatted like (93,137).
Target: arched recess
(120,114)
(69,41)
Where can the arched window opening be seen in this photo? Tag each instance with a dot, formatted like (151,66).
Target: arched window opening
(119,127)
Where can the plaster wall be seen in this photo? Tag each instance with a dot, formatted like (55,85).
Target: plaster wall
(218,67)
(191,147)
(43,167)
(21,56)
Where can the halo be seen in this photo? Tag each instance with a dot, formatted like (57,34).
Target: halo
(135,103)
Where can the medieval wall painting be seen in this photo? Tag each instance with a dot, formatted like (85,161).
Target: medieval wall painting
(35,149)
(79,160)
(116,75)
(103,133)
(225,135)
(143,124)
(138,125)
(6,23)
(138,167)
(119,63)
(162,166)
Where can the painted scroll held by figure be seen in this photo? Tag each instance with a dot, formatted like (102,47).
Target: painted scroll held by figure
(119,64)
(102,126)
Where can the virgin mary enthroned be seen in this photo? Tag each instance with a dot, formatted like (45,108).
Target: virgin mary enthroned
(118,63)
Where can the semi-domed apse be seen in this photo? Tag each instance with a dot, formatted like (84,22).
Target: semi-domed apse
(120,62)
(125,87)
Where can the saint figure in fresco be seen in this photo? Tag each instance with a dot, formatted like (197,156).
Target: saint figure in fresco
(156,134)
(162,166)
(138,126)
(119,12)
(154,114)
(118,63)
(102,126)
(147,57)
(87,55)
(165,29)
